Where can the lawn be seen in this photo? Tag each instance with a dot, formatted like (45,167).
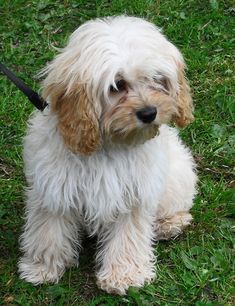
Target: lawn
(197,268)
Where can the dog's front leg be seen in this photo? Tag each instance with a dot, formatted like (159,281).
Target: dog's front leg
(125,257)
(49,244)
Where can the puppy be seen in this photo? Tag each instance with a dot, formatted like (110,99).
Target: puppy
(101,157)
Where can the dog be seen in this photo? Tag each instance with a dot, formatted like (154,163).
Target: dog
(102,159)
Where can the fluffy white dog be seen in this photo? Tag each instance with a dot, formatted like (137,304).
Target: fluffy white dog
(101,158)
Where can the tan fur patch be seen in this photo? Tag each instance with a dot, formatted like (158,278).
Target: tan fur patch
(78,123)
(184,101)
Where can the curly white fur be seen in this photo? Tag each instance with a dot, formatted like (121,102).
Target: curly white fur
(125,193)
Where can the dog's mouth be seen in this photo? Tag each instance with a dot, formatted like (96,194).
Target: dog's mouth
(135,136)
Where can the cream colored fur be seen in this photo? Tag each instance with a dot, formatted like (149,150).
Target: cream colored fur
(93,166)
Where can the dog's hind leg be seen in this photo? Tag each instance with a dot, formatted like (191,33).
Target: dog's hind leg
(173,226)
(173,211)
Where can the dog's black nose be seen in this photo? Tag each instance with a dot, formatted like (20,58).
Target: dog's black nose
(147,114)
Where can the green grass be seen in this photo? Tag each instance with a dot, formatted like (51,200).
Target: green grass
(196,268)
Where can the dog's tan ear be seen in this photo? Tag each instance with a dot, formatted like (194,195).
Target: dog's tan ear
(78,122)
(184,100)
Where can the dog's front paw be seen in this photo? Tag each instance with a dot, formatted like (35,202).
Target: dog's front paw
(118,283)
(38,273)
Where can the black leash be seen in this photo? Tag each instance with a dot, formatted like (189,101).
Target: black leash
(32,95)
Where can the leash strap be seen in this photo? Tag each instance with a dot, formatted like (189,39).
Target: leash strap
(33,96)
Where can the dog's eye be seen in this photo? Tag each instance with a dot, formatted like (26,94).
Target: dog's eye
(120,86)
(161,81)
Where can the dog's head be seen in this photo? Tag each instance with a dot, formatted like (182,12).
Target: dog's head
(116,81)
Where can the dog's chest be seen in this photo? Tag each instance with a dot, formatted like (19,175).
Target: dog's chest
(115,182)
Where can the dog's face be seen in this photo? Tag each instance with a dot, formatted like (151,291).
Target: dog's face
(137,108)
(116,82)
